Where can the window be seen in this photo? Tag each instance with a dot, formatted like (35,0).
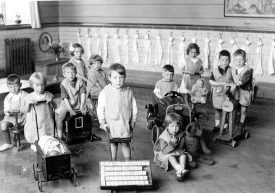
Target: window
(13,10)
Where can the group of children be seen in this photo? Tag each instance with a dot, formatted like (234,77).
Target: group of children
(91,89)
(225,82)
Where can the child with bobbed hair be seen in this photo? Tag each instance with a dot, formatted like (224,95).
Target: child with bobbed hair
(13,102)
(167,150)
(199,92)
(77,60)
(193,69)
(39,113)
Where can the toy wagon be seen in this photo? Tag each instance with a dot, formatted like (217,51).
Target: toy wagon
(52,167)
(55,167)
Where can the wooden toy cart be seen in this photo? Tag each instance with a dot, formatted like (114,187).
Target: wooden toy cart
(49,168)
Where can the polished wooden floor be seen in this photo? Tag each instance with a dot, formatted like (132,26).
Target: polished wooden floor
(248,168)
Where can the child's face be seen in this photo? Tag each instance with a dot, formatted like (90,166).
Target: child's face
(224,61)
(167,76)
(38,86)
(239,60)
(193,53)
(78,53)
(14,88)
(200,83)
(96,65)
(117,80)
(69,74)
(173,128)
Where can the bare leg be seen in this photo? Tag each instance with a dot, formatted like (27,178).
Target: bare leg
(126,150)
(182,160)
(6,135)
(243,114)
(175,164)
(114,150)
(217,117)
(59,125)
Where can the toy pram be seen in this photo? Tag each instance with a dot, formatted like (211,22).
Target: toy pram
(156,112)
(77,127)
(52,167)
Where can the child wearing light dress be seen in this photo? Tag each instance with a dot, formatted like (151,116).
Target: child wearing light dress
(167,149)
(117,111)
(193,69)
(78,61)
(39,113)
(13,102)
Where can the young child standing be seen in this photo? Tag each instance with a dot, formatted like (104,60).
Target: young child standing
(166,150)
(166,84)
(73,95)
(97,80)
(199,92)
(44,112)
(219,79)
(243,76)
(78,62)
(117,111)
(193,69)
(13,102)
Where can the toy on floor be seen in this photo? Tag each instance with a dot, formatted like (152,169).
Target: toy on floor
(194,144)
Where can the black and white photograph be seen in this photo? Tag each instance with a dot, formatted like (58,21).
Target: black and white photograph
(149,96)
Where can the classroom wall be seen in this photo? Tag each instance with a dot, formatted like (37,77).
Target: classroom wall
(185,12)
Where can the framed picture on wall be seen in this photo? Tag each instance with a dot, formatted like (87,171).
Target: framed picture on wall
(249,8)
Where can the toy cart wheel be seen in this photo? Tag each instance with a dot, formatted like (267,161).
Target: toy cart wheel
(74,177)
(234,144)
(246,135)
(39,182)
(35,173)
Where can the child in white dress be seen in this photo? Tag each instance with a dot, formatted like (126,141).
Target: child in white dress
(43,112)
(117,111)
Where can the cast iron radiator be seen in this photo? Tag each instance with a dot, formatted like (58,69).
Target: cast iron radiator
(18,56)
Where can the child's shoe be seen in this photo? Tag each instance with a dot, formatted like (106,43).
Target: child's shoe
(33,147)
(5,147)
(184,174)
(179,176)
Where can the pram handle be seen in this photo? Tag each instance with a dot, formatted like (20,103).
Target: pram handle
(53,112)
(172,94)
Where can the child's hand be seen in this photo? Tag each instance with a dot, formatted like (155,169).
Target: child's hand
(83,110)
(105,127)
(72,112)
(49,100)
(174,139)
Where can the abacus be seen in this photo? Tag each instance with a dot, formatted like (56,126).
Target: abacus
(125,174)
